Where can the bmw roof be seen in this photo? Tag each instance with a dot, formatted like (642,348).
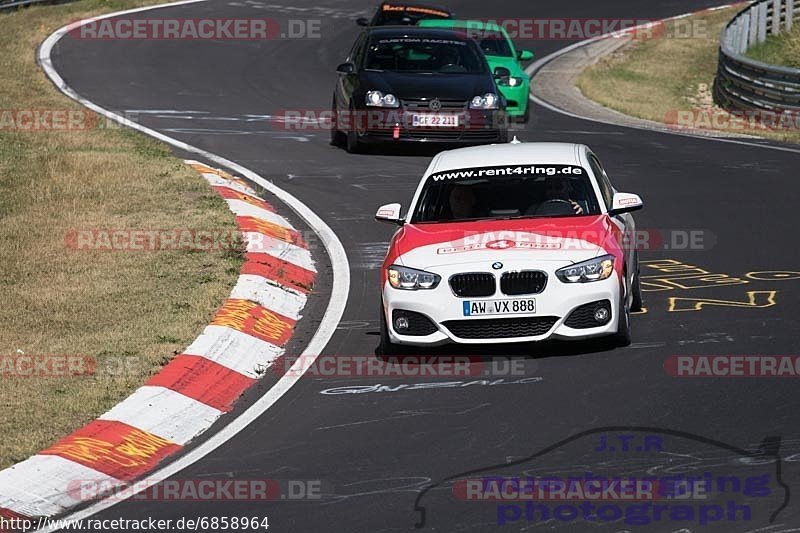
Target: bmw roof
(507,154)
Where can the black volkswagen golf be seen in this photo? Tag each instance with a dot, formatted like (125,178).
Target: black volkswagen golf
(402,84)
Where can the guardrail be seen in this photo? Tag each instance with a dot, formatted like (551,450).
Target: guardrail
(745,84)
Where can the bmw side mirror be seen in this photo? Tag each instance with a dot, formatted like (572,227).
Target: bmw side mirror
(346,68)
(524,55)
(624,202)
(389,213)
(362,21)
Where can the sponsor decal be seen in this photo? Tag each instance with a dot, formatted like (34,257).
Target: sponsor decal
(508,170)
(511,240)
(416,9)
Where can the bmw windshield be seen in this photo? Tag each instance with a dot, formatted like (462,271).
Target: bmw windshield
(515,191)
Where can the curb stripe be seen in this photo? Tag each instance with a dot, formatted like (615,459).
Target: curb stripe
(257,225)
(245,209)
(249,317)
(113,448)
(41,485)
(216,181)
(236,350)
(203,380)
(230,193)
(258,243)
(276,269)
(164,413)
(267,293)
(8,514)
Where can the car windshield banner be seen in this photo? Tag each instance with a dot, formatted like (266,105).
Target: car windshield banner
(508,170)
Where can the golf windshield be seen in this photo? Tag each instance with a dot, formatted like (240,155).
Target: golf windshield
(493,43)
(421,54)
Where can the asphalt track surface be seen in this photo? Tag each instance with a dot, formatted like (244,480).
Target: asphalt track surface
(374,452)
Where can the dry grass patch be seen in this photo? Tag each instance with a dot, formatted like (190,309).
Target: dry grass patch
(131,311)
(782,49)
(658,78)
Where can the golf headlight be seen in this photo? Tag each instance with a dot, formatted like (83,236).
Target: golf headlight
(595,269)
(411,279)
(511,82)
(378,99)
(486,101)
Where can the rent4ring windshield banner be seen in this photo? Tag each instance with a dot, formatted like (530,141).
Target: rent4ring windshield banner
(509,170)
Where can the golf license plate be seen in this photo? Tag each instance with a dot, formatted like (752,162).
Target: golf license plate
(429,120)
(499,307)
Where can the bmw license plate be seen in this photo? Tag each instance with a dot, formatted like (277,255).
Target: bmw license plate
(498,307)
(428,120)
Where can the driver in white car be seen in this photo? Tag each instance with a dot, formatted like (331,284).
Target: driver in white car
(557,188)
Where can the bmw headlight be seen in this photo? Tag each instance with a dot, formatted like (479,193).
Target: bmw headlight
(486,101)
(511,81)
(411,279)
(595,269)
(378,99)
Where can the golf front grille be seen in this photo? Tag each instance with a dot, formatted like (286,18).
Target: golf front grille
(524,282)
(501,328)
(473,284)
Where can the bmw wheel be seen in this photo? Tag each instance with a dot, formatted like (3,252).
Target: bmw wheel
(623,336)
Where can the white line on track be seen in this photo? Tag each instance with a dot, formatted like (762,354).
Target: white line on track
(336,252)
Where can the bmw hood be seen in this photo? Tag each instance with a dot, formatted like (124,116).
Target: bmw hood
(560,240)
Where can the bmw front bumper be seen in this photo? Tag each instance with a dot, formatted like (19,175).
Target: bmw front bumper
(553,307)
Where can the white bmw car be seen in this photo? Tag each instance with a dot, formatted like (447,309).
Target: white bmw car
(512,242)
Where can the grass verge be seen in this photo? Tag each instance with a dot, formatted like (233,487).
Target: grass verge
(782,49)
(128,311)
(669,80)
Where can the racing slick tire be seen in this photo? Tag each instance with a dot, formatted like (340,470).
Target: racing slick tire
(352,144)
(337,137)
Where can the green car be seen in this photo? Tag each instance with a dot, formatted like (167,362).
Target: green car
(500,52)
